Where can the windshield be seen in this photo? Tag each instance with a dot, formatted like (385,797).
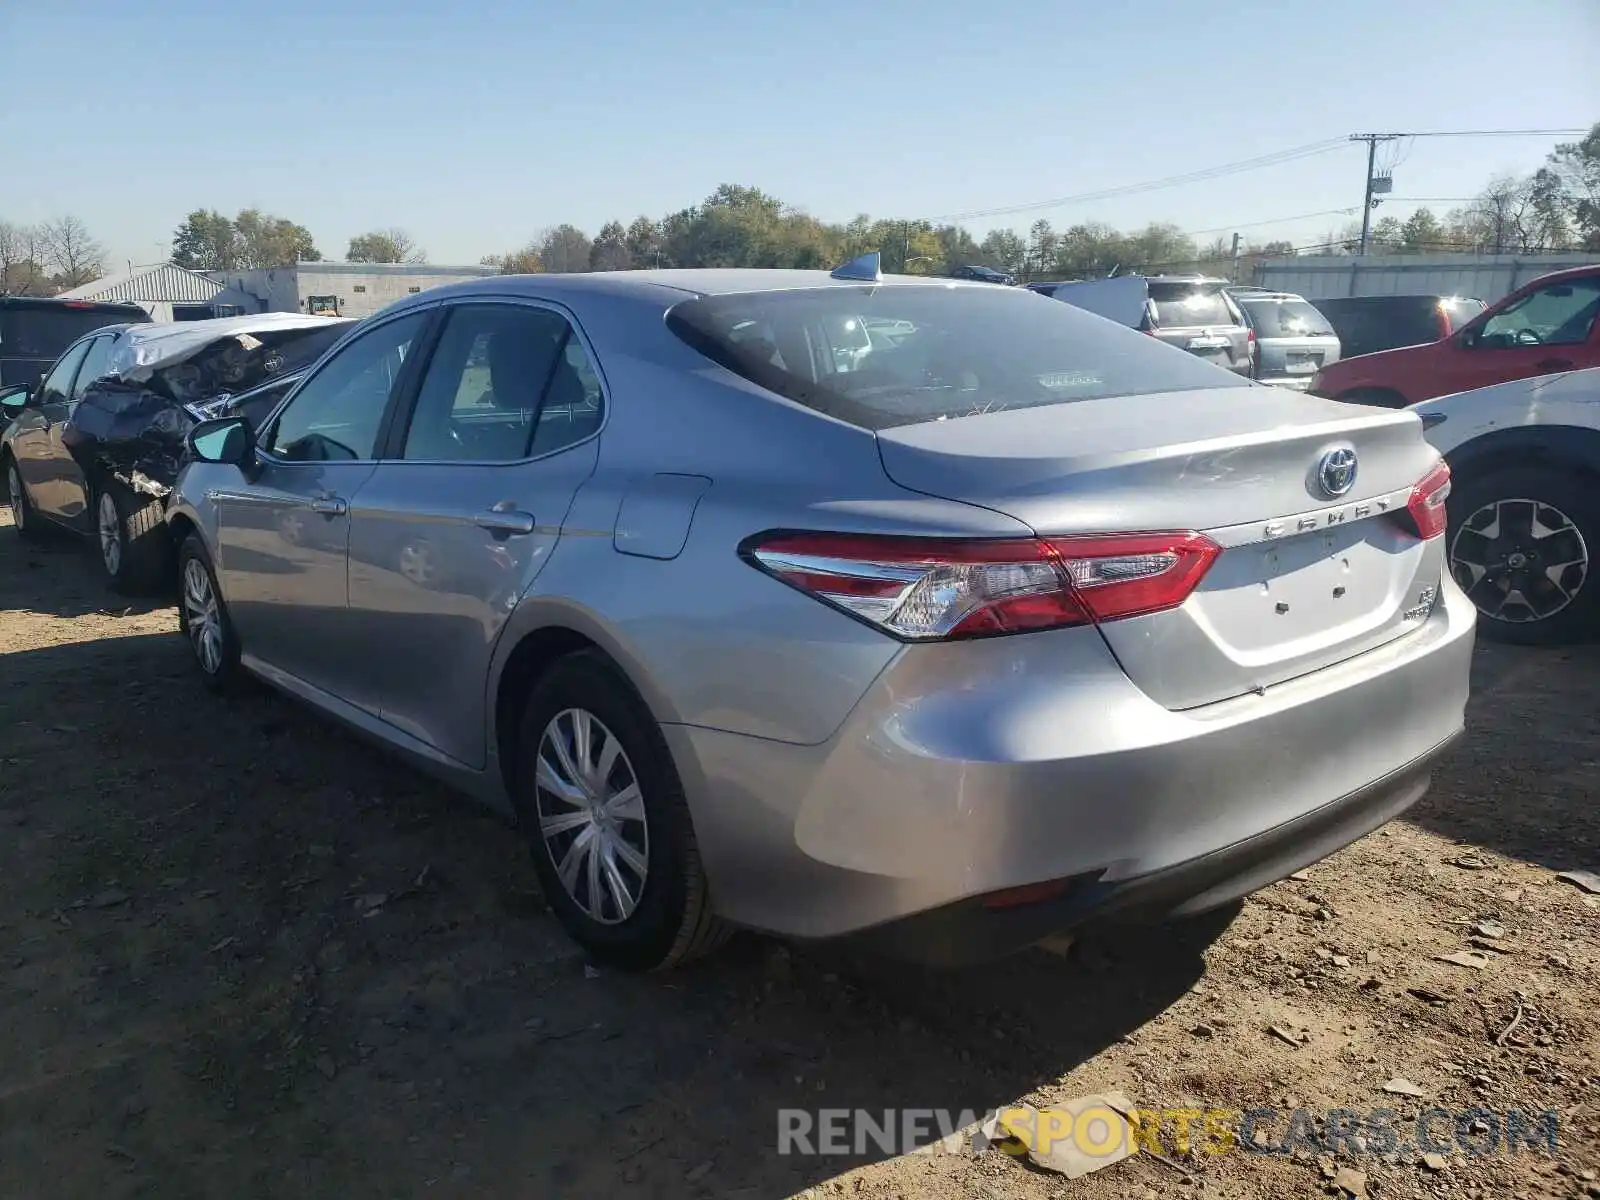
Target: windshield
(1181,305)
(929,353)
(1286,318)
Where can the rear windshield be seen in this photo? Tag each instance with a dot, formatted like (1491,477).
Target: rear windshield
(1286,318)
(1181,305)
(879,357)
(44,332)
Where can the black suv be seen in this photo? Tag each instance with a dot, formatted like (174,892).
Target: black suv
(1367,324)
(34,330)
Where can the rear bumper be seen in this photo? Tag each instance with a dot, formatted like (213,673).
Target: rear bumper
(968,932)
(974,767)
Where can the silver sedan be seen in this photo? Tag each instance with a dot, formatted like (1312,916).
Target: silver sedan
(936,615)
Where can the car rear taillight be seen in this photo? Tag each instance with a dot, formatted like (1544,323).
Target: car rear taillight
(1426,506)
(925,589)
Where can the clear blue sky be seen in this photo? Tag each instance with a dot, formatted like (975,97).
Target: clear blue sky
(475,124)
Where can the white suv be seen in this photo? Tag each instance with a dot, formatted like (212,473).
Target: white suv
(1525,503)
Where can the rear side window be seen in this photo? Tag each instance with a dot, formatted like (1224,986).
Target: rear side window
(1286,318)
(1366,324)
(1179,306)
(879,357)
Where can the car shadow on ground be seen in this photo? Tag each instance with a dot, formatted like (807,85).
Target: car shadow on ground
(59,576)
(1533,732)
(243,953)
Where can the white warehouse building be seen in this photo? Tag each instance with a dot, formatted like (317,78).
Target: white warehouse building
(347,289)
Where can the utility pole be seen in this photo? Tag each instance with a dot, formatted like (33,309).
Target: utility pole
(1372,140)
(1235,272)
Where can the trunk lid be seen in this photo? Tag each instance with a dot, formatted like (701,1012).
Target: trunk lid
(1305,579)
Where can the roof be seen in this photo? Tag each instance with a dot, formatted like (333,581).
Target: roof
(671,284)
(157,283)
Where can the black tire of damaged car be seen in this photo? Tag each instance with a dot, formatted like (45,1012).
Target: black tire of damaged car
(131,538)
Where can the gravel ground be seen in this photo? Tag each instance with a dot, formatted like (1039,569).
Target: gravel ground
(244,955)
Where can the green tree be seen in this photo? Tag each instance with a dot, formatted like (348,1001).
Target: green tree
(1422,233)
(564,249)
(1002,248)
(384,246)
(206,241)
(610,249)
(1386,237)
(643,240)
(519,262)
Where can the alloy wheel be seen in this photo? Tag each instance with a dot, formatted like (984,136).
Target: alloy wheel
(19,503)
(1519,560)
(201,616)
(110,526)
(591,816)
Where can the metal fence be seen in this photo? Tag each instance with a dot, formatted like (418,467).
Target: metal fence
(1485,276)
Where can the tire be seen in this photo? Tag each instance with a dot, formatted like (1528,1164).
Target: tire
(139,559)
(23,517)
(218,661)
(1379,397)
(1561,508)
(670,919)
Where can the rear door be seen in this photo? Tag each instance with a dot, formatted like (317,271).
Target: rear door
(465,510)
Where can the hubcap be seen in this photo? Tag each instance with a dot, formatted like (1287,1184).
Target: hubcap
(1519,560)
(19,509)
(201,618)
(110,534)
(591,816)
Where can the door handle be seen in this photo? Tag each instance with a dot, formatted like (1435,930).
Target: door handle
(1554,364)
(329,506)
(505,520)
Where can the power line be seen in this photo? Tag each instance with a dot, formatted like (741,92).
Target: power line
(1292,154)
(1493,133)
(1326,212)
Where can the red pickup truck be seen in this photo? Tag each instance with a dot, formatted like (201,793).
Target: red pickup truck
(1543,327)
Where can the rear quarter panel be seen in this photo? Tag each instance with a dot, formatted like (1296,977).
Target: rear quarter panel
(708,639)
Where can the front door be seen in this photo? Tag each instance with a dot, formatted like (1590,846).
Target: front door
(72,488)
(283,525)
(32,441)
(1550,328)
(466,508)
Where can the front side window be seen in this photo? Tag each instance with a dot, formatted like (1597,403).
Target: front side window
(93,366)
(58,384)
(929,352)
(1560,314)
(338,414)
(506,382)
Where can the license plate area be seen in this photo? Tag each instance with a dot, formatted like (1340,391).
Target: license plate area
(1284,598)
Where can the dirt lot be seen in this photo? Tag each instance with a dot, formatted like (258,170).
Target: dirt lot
(203,994)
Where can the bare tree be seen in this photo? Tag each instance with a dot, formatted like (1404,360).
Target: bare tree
(75,256)
(21,259)
(385,246)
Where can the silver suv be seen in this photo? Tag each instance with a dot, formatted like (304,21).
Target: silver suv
(1293,339)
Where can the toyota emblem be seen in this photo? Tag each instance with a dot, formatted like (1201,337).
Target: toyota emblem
(1337,471)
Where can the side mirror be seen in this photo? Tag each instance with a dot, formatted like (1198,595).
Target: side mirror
(223,440)
(14,399)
